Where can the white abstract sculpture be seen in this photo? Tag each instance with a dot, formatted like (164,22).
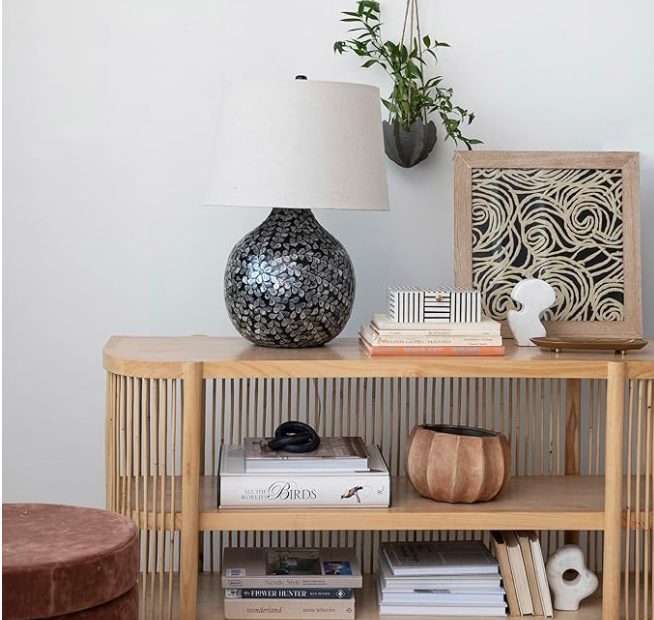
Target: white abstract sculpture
(568,594)
(536,296)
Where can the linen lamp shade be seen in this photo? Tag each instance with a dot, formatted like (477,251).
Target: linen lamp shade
(298,144)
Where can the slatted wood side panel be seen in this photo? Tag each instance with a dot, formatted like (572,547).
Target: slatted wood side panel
(143,452)
(639,539)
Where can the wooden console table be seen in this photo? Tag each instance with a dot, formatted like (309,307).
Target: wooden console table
(580,425)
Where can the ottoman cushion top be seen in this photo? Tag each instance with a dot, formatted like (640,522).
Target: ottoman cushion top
(61,559)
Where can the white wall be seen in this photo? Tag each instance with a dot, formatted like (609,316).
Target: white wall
(108,114)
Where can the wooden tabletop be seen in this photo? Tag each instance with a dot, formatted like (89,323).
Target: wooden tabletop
(164,357)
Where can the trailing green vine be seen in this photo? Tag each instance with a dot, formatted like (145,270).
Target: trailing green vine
(413,97)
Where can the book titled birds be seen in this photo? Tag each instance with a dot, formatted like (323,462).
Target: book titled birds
(439,322)
(308,487)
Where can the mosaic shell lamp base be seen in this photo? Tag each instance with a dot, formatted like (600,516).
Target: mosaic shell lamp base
(289,283)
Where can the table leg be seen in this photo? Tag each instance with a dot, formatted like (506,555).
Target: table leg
(614,451)
(192,401)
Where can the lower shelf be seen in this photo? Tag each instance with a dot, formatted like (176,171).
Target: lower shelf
(210,606)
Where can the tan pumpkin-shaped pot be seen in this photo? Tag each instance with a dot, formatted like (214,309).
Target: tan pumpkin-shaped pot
(457,464)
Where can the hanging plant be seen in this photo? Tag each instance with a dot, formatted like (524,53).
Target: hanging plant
(409,135)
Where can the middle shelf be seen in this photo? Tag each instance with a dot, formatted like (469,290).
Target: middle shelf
(530,502)
(540,502)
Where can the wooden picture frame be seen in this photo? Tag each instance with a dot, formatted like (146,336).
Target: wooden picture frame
(570,218)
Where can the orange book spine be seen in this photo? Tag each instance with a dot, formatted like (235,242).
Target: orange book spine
(427,351)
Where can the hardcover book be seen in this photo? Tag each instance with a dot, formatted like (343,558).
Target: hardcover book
(382,323)
(290,593)
(519,573)
(502,555)
(443,596)
(238,488)
(440,558)
(541,574)
(473,582)
(464,609)
(428,351)
(283,609)
(333,454)
(459,611)
(523,540)
(290,568)
(408,339)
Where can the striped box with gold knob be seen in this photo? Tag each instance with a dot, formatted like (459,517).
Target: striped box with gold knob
(440,305)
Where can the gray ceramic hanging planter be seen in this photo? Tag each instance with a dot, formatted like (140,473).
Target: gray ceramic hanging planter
(408,147)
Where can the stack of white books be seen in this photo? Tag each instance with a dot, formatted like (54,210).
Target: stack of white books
(342,472)
(386,337)
(453,578)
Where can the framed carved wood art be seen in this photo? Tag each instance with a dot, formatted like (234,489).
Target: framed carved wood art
(571,219)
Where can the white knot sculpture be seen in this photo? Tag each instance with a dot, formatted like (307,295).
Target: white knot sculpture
(535,296)
(568,594)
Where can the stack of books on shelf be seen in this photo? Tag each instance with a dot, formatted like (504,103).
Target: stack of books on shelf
(523,573)
(453,578)
(290,584)
(342,472)
(439,322)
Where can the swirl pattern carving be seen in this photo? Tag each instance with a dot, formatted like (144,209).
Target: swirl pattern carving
(563,226)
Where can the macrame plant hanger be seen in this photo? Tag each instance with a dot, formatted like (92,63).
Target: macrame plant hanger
(408,146)
(412,20)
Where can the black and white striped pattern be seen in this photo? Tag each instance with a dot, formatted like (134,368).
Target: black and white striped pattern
(407,307)
(465,307)
(444,305)
(437,306)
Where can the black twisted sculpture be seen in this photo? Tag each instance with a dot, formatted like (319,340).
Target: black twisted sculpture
(296,437)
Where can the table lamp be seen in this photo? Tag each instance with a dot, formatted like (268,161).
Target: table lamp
(294,146)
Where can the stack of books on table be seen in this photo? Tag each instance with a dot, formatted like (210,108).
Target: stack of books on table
(417,324)
(453,578)
(342,472)
(290,584)
(523,573)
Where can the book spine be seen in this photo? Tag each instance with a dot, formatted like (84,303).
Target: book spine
(531,573)
(282,609)
(259,582)
(445,351)
(342,490)
(458,611)
(502,555)
(291,593)
(451,341)
(455,330)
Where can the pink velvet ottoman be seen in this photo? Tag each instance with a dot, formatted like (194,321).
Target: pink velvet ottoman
(67,562)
